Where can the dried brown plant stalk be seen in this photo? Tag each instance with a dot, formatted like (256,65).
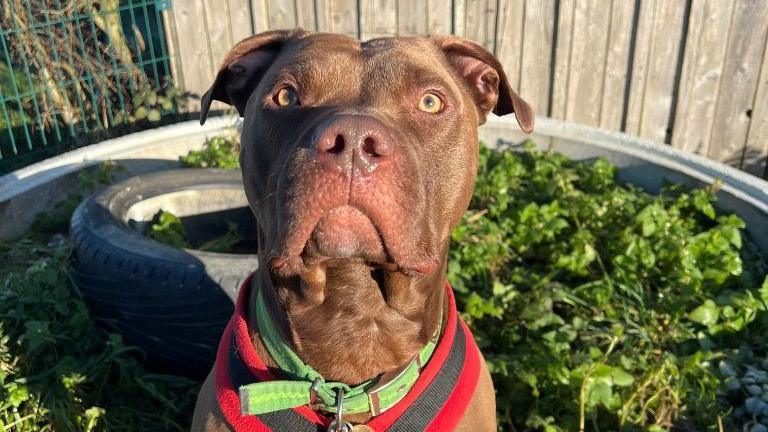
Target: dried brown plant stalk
(76,53)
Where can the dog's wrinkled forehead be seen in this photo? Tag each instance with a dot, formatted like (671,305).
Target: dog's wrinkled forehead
(328,68)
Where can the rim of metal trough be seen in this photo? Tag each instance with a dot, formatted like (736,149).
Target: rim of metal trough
(38,187)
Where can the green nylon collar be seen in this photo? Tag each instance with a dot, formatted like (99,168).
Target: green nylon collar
(307,386)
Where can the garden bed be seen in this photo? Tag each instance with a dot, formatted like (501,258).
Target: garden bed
(597,305)
(597,302)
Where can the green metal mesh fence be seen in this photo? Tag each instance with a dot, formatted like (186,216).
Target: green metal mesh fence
(76,71)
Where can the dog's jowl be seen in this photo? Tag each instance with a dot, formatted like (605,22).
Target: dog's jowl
(358,160)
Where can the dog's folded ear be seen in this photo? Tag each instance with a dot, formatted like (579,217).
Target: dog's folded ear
(486,79)
(242,69)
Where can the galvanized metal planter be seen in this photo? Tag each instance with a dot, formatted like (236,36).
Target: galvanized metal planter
(648,165)
(37,188)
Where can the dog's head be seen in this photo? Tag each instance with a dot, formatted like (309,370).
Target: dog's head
(360,151)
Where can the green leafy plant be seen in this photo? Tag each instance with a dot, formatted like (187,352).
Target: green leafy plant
(58,371)
(167,228)
(599,306)
(149,103)
(217,152)
(224,243)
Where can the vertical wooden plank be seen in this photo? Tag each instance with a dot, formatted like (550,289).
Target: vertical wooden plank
(481,22)
(171,38)
(738,84)
(259,15)
(368,19)
(459,17)
(756,152)
(473,11)
(489,25)
(565,34)
(439,17)
(537,46)
(700,76)
(219,32)
(412,18)
(305,14)
(323,10)
(193,53)
(282,14)
(653,80)
(643,35)
(386,17)
(337,16)
(660,86)
(587,64)
(509,39)
(616,61)
(239,19)
(378,18)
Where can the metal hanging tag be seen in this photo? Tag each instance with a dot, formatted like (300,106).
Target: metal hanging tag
(338,424)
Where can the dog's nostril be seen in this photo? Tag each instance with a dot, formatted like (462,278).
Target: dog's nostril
(338,145)
(369,147)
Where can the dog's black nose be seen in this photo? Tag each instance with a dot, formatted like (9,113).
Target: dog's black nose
(350,142)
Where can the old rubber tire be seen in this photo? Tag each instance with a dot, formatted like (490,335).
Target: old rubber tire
(173,303)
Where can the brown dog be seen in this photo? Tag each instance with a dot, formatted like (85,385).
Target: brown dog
(358,160)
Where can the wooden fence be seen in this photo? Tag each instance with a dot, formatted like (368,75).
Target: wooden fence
(691,73)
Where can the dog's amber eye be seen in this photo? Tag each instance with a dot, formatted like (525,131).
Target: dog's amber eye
(430,103)
(286,96)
